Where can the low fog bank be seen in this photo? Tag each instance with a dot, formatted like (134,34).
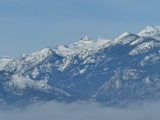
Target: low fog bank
(82,111)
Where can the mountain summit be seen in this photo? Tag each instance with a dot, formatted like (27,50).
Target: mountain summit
(125,69)
(3,61)
(85,39)
(150,31)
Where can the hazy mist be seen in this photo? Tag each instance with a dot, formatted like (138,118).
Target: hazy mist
(82,111)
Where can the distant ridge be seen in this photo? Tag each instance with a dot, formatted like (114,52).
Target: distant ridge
(125,69)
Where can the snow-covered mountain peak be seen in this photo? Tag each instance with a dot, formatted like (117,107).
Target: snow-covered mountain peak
(125,38)
(122,36)
(45,51)
(3,61)
(63,50)
(42,53)
(25,62)
(6,57)
(86,39)
(84,44)
(23,55)
(150,31)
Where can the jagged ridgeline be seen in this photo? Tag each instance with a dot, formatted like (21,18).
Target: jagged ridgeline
(125,69)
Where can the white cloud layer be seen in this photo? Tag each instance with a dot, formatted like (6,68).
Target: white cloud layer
(82,111)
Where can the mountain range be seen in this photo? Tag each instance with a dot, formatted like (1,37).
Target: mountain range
(125,69)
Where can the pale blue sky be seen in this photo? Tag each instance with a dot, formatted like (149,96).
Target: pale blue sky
(27,26)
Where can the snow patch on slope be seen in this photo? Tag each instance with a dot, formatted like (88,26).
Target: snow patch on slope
(145,47)
(152,57)
(20,82)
